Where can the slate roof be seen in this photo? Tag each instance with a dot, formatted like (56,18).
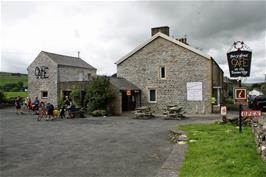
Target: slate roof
(123,84)
(159,34)
(68,60)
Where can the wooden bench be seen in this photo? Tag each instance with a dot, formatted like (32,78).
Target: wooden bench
(143,113)
(173,112)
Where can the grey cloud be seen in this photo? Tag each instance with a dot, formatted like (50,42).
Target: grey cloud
(124,25)
(211,21)
(12,63)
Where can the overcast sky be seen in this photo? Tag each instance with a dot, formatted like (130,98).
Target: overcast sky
(104,32)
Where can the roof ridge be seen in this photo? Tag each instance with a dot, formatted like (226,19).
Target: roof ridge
(60,54)
(68,60)
(159,34)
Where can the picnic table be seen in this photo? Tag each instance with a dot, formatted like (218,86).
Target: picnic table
(174,111)
(143,112)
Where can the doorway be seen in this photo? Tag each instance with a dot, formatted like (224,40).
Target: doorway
(128,102)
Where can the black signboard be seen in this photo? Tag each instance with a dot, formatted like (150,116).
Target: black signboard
(239,63)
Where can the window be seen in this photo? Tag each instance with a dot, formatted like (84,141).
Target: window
(162,72)
(44,94)
(152,96)
(89,76)
(81,78)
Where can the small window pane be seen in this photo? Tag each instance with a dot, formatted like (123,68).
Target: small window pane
(152,95)
(44,94)
(162,72)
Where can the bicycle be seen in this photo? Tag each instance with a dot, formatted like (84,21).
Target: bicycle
(42,113)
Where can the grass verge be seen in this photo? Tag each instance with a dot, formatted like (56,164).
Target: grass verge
(15,94)
(221,151)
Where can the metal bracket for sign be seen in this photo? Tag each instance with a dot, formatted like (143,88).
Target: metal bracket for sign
(239,45)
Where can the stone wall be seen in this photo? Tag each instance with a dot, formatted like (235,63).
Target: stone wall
(68,73)
(58,78)
(37,85)
(181,65)
(116,107)
(71,86)
(259,129)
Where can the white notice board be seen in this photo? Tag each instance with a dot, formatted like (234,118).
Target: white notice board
(194,91)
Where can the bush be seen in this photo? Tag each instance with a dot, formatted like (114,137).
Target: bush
(98,94)
(76,95)
(97,113)
(229,100)
(2,97)
(232,107)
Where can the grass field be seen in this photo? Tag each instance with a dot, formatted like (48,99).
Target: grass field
(15,94)
(13,78)
(221,151)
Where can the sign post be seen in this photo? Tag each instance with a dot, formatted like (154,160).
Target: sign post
(239,62)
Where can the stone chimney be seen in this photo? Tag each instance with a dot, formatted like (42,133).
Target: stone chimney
(162,29)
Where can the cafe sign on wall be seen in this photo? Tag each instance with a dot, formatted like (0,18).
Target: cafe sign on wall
(239,61)
(41,72)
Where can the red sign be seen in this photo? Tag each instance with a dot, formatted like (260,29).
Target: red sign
(128,92)
(240,95)
(250,113)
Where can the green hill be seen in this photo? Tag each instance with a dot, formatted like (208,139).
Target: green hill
(9,78)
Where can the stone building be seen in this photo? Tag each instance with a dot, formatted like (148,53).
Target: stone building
(169,71)
(53,76)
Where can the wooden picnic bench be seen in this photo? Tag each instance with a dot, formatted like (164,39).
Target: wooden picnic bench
(173,111)
(143,112)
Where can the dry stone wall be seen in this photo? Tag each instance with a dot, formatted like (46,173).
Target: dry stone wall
(259,130)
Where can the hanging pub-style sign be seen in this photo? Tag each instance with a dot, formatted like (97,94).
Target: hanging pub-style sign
(239,60)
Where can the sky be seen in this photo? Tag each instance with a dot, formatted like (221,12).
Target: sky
(105,31)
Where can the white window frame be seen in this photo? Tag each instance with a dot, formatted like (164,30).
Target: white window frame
(160,72)
(149,100)
(42,94)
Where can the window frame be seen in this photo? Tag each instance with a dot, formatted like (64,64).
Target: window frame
(43,97)
(160,72)
(149,95)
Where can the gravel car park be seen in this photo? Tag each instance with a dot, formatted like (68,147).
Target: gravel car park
(98,147)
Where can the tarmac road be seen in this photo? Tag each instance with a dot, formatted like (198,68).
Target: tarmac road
(91,147)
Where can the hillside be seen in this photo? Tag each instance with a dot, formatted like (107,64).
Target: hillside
(8,78)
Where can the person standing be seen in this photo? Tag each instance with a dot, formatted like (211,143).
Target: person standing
(50,109)
(36,105)
(18,105)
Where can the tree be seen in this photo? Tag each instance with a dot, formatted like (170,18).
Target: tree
(98,93)
(256,86)
(2,97)
(263,88)
(20,85)
(76,96)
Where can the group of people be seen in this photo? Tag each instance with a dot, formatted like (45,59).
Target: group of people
(44,109)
